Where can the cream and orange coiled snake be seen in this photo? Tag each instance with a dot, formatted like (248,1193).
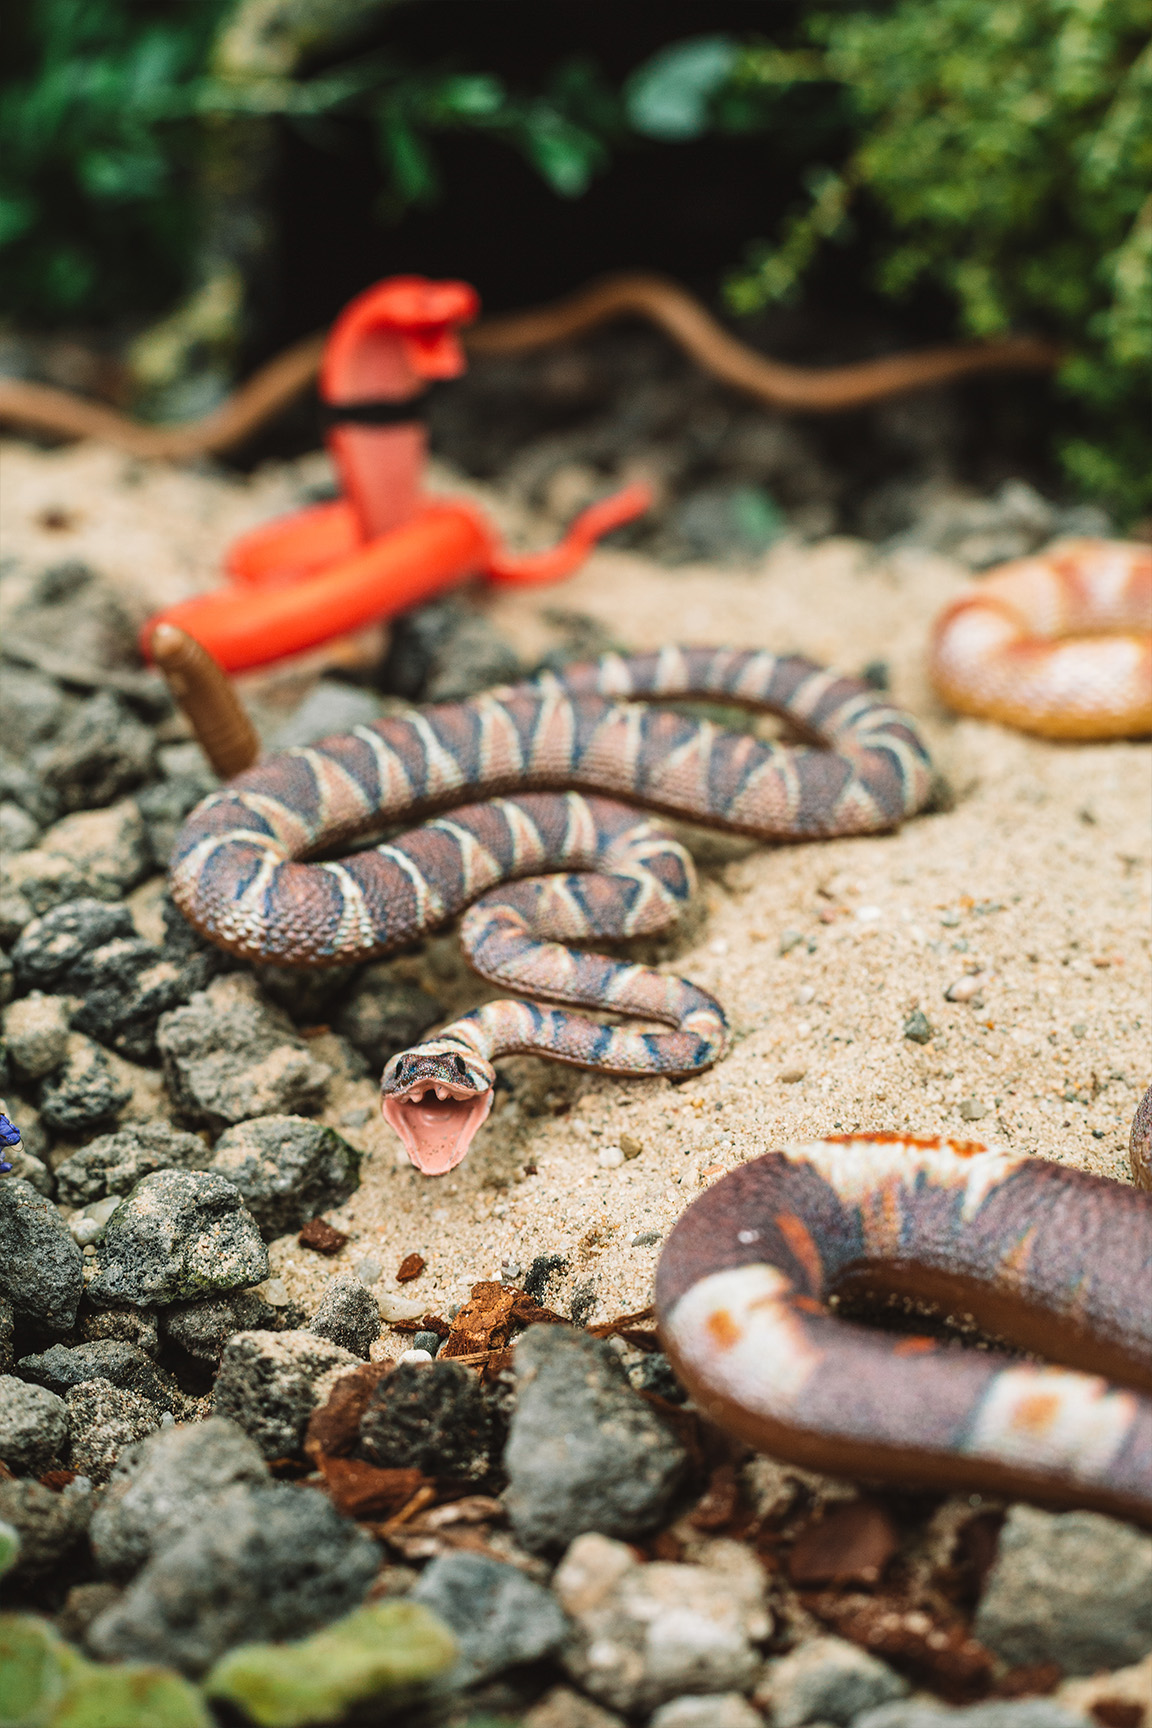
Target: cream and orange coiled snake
(1059,644)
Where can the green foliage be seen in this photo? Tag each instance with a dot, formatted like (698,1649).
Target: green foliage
(1008,145)
(998,150)
(100,124)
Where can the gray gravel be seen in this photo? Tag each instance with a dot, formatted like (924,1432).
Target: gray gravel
(1011,1713)
(33,1426)
(179,1234)
(51,1525)
(270,1383)
(271,1562)
(348,1315)
(105,1420)
(499,1617)
(120,1363)
(114,1163)
(584,1452)
(1068,1587)
(40,1264)
(230,1055)
(85,1095)
(827,1680)
(288,1169)
(157,1489)
(202,1329)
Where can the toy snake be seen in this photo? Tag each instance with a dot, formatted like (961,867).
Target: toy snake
(803,389)
(241,871)
(1050,1258)
(1059,644)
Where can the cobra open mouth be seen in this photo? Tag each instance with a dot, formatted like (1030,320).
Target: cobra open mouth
(436,1120)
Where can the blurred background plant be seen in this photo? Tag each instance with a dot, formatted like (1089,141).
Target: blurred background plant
(981,165)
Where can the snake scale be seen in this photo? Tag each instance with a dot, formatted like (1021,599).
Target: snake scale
(528,825)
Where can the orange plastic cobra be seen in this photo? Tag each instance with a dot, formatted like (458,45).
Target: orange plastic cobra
(1059,644)
(384,545)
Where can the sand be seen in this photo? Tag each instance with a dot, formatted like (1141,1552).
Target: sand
(1036,878)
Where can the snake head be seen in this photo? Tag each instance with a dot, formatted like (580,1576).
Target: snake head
(436,1096)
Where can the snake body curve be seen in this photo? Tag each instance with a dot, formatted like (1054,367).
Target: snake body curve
(1059,644)
(540,841)
(1050,1258)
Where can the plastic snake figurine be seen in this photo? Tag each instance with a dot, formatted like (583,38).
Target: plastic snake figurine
(549,760)
(1059,644)
(385,544)
(1049,1258)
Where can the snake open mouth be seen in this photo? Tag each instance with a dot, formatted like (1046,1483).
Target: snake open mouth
(436,1120)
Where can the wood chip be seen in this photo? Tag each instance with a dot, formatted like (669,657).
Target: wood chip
(334,1429)
(322,1237)
(410,1267)
(852,1544)
(362,1490)
(937,1653)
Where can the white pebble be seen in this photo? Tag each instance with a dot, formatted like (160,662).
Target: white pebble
(868,914)
(610,1157)
(805,994)
(965,988)
(719,946)
(414,1356)
(401,1307)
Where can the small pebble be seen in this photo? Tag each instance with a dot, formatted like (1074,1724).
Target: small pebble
(1079,1029)
(610,1157)
(427,1342)
(393,1308)
(971,1109)
(645,1239)
(510,1271)
(630,1146)
(414,1355)
(869,914)
(964,989)
(805,994)
(950,919)
(790,939)
(917,1027)
(791,1076)
(410,1267)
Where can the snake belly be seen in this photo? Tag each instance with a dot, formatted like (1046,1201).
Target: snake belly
(1049,1258)
(541,840)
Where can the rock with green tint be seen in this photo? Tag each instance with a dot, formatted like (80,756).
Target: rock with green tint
(36,1667)
(387,1650)
(9,1547)
(130,1695)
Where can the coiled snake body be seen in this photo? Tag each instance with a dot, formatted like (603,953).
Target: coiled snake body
(241,871)
(1053,1259)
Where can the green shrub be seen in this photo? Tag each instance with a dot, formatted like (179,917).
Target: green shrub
(1008,146)
(999,150)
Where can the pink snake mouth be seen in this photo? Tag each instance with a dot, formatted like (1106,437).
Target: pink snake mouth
(437,1120)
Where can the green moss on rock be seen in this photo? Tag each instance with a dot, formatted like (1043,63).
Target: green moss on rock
(384,1650)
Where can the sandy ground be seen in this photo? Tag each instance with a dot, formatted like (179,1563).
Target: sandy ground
(1036,877)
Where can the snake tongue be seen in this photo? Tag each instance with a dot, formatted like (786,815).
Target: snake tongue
(437,1132)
